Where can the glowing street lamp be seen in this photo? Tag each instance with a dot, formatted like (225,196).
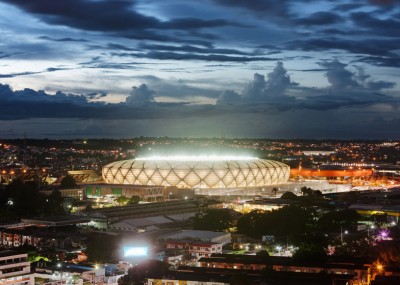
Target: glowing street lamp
(278,249)
(379,267)
(383,234)
(371,227)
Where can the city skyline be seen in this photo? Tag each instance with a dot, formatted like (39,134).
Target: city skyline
(120,69)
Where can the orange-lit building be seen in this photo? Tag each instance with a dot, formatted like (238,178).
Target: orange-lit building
(307,172)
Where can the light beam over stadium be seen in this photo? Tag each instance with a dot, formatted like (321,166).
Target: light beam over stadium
(195,158)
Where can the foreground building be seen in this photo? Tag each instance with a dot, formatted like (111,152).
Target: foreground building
(15,268)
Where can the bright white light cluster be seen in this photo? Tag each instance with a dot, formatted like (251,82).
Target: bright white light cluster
(196,158)
(197,172)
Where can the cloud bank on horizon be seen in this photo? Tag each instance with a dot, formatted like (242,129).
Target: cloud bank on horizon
(301,69)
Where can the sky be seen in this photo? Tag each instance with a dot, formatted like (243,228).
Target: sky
(259,68)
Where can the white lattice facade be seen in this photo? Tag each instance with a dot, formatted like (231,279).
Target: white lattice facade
(197,174)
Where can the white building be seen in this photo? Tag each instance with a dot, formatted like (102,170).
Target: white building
(15,268)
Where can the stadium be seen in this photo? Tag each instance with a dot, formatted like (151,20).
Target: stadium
(201,172)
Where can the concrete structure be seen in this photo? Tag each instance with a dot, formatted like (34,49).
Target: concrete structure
(41,239)
(15,269)
(359,271)
(188,280)
(150,193)
(197,172)
(372,209)
(84,176)
(197,249)
(208,236)
(140,225)
(75,193)
(102,217)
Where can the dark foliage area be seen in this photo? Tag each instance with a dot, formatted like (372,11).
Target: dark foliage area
(23,199)
(102,248)
(289,220)
(213,220)
(138,274)
(68,182)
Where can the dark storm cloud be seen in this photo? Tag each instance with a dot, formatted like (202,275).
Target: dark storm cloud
(347,7)
(88,15)
(195,23)
(177,88)
(347,89)
(383,27)
(319,18)
(381,61)
(341,79)
(384,2)
(5,55)
(140,96)
(116,17)
(62,39)
(120,47)
(261,91)
(192,56)
(99,62)
(264,94)
(50,69)
(335,32)
(28,103)
(261,7)
(378,85)
(192,49)
(371,47)
(338,76)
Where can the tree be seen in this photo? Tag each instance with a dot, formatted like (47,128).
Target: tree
(275,190)
(134,200)
(102,248)
(306,191)
(148,269)
(27,201)
(122,200)
(54,204)
(310,251)
(240,278)
(251,223)
(289,220)
(212,220)
(68,182)
(380,219)
(333,220)
(262,253)
(289,196)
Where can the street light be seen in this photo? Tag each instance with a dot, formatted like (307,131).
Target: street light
(59,266)
(368,228)
(279,248)
(341,234)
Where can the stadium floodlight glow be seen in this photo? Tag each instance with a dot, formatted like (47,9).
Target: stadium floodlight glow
(135,251)
(196,158)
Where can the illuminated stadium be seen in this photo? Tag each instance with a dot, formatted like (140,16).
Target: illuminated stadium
(201,172)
